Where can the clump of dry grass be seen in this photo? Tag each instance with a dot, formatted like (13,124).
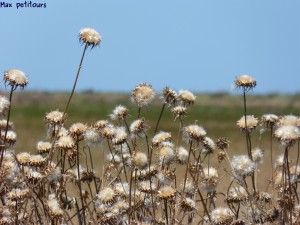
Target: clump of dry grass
(148,175)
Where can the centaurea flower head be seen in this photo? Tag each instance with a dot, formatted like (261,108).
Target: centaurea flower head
(120,112)
(248,124)
(287,135)
(4,105)
(186,97)
(245,81)
(15,78)
(90,37)
(169,96)
(143,94)
(242,165)
(193,133)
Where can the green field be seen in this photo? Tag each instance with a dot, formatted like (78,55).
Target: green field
(217,113)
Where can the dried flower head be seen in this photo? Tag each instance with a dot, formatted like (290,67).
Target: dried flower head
(161,137)
(3,124)
(247,124)
(186,97)
(289,120)
(169,96)
(236,195)
(222,143)
(122,189)
(120,112)
(245,81)
(23,158)
(4,105)
(55,117)
(54,207)
(36,160)
(279,161)
(138,128)
(43,147)
(287,134)
(193,133)
(15,78)
(17,194)
(242,165)
(257,155)
(143,94)
(120,136)
(221,216)
(107,195)
(11,137)
(108,131)
(166,155)
(140,160)
(208,145)
(147,186)
(92,136)
(166,193)
(90,37)
(182,155)
(188,205)
(65,142)
(179,111)
(269,120)
(77,129)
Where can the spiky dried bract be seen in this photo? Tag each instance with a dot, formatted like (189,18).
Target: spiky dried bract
(257,155)
(242,165)
(32,176)
(55,117)
(108,132)
(15,78)
(138,128)
(107,195)
(143,94)
(89,36)
(65,142)
(193,133)
(186,97)
(43,147)
(161,137)
(182,155)
(221,216)
(222,143)
(245,81)
(4,105)
(287,134)
(140,160)
(122,189)
(166,193)
(77,129)
(169,96)
(269,120)
(101,124)
(54,207)
(147,173)
(120,112)
(249,124)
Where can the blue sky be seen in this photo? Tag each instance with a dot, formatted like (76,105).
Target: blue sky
(184,44)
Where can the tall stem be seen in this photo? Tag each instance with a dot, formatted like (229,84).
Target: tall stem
(159,118)
(7,124)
